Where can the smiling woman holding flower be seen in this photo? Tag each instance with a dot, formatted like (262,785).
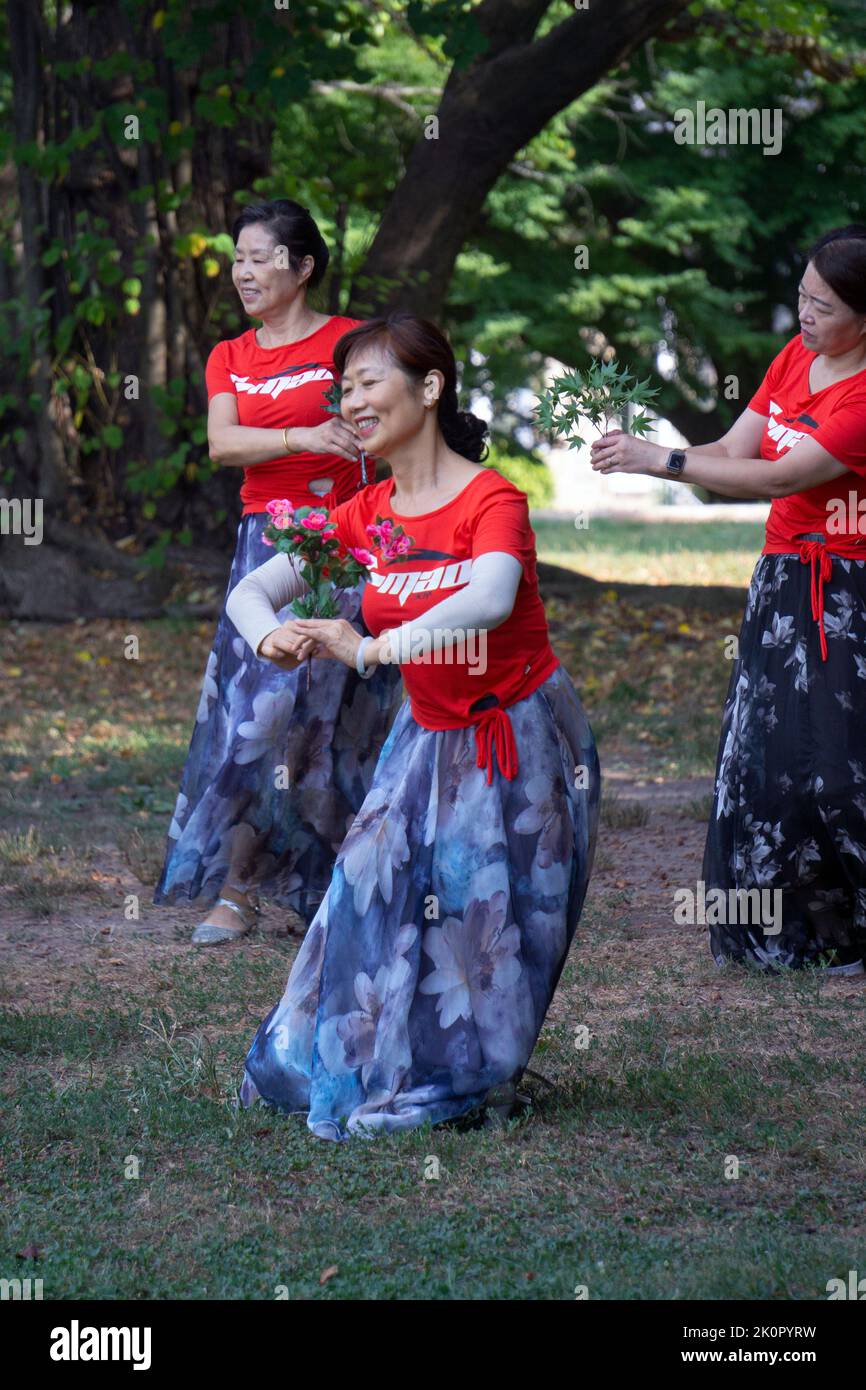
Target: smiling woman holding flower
(422,984)
(276,767)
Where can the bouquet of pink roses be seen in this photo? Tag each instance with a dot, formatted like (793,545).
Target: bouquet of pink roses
(309,536)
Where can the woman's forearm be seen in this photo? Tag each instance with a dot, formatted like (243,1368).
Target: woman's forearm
(242,446)
(805,466)
(484,604)
(746,478)
(802,468)
(714,450)
(254,603)
(751,478)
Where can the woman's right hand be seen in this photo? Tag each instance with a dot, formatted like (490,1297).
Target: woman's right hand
(332,437)
(287,646)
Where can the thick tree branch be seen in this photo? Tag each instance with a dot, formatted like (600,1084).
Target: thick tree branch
(505,23)
(489,111)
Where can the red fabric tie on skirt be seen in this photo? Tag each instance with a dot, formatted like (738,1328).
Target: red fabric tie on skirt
(494,733)
(819,551)
(809,553)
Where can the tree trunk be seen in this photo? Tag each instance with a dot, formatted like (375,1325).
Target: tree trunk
(27,96)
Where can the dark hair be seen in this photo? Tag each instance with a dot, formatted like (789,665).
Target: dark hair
(840,259)
(291,226)
(418,347)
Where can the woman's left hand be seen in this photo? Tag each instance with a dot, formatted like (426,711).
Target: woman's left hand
(618,452)
(336,640)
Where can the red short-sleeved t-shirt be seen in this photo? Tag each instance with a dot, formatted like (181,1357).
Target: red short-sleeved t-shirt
(490,514)
(284,387)
(834,416)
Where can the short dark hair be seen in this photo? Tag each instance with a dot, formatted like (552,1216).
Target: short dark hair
(292,226)
(840,259)
(418,347)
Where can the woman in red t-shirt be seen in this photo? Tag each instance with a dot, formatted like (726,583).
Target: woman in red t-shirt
(276,769)
(421,986)
(789,815)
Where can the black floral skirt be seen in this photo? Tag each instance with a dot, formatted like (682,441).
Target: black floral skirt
(789,810)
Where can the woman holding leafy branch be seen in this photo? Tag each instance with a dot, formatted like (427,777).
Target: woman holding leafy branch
(277,765)
(790,799)
(422,984)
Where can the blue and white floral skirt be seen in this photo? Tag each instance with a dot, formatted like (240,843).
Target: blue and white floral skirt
(276,772)
(789,813)
(425,977)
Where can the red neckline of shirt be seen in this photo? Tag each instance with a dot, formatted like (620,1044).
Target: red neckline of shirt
(808,358)
(422,516)
(282,347)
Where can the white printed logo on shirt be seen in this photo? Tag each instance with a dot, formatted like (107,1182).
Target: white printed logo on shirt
(782,434)
(400,584)
(275,385)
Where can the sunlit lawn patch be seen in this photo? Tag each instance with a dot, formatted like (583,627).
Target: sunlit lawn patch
(681,552)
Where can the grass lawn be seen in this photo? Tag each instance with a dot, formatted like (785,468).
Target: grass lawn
(616,1181)
(124,1047)
(683,552)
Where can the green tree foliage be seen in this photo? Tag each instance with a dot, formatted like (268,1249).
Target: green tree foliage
(131,132)
(694,252)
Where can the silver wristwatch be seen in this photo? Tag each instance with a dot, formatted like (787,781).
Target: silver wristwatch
(676,462)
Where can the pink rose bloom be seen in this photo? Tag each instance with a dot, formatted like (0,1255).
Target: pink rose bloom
(364,557)
(278,505)
(400,546)
(314,522)
(382,532)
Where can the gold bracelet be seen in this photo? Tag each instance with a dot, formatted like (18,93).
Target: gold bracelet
(285,440)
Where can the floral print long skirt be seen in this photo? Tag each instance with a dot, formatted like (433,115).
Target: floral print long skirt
(276,772)
(425,977)
(789,811)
